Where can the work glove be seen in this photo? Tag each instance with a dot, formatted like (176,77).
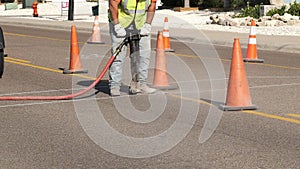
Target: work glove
(120,31)
(146,29)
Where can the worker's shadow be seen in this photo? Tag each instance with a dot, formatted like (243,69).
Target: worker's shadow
(102,86)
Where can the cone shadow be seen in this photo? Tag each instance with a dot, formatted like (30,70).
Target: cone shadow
(215,103)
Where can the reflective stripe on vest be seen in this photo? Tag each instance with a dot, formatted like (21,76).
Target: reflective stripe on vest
(127,12)
(138,11)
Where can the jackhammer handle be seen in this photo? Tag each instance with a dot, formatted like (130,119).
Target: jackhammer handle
(119,48)
(125,41)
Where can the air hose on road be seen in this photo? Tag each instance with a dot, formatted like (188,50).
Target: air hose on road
(133,38)
(71,96)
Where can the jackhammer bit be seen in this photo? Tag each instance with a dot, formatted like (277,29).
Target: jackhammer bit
(133,40)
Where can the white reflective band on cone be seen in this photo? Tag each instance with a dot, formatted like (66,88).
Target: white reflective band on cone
(252,30)
(166,34)
(252,41)
(166,26)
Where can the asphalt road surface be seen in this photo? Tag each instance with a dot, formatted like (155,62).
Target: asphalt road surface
(175,128)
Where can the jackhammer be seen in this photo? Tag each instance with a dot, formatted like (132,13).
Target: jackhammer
(134,47)
(132,40)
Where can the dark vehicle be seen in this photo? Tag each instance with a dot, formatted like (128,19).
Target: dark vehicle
(2,46)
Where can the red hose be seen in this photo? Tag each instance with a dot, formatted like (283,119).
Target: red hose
(65,97)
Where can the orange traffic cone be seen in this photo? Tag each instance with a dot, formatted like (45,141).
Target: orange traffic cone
(96,35)
(75,64)
(160,80)
(34,7)
(238,95)
(166,36)
(252,51)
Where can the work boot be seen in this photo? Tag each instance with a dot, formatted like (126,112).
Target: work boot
(115,91)
(134,87)
(146,89)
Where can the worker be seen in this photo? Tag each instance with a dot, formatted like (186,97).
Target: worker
(126,16)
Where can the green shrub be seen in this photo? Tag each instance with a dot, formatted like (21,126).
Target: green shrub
(252,11)
(279,11)
(294,9)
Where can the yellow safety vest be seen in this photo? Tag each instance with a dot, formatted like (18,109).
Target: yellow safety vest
(126,11)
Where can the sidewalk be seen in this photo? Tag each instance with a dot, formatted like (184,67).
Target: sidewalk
(180,28)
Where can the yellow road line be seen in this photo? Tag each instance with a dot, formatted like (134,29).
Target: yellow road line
(294,115)
(47,69)
(277,66)
(244,111)
(39,37)
(190,99)
(177,54)
(44,37)
(194,56)
(15,59)
(34,66)
(228,60)
(185,55)
(273,116)
(172,95)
